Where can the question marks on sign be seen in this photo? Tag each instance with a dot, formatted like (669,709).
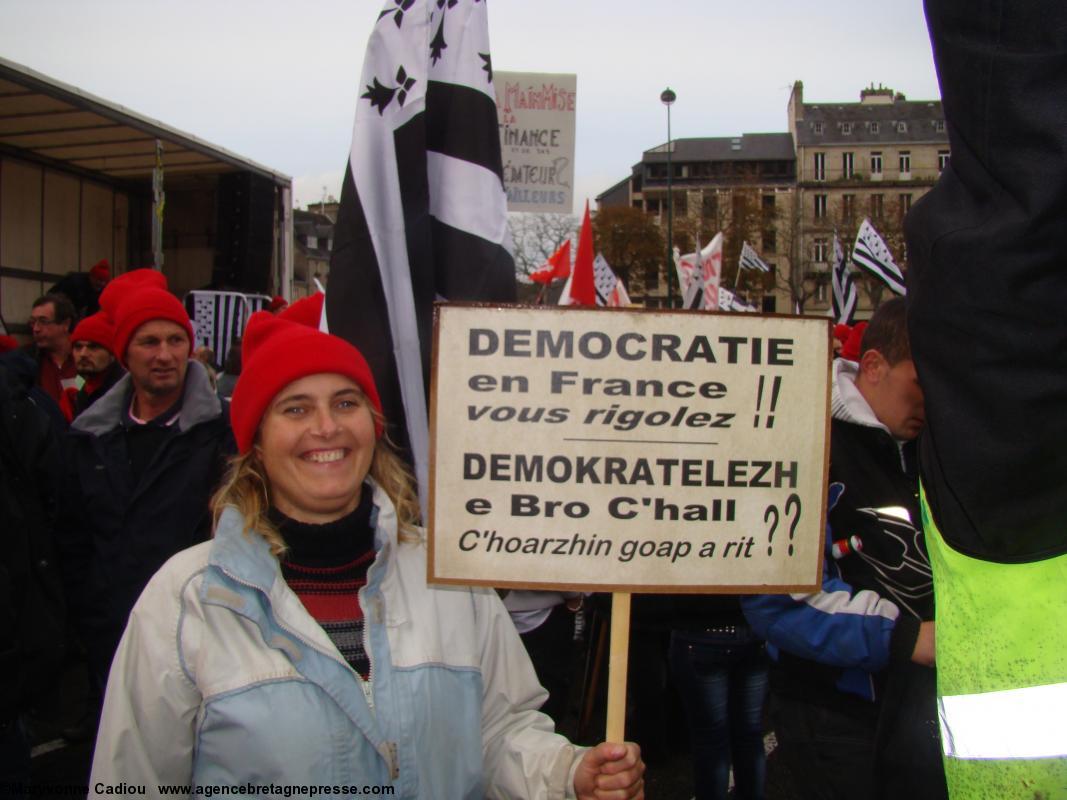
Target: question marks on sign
(773,516)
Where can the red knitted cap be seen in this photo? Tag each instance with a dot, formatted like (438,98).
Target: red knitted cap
(275,352)
(306,310)
(851,348)
(101,270)
(95,328)
(137,297)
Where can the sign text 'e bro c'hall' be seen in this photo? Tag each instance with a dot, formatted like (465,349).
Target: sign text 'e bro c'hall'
(628,450)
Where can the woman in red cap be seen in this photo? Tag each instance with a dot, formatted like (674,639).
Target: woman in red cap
(302,646)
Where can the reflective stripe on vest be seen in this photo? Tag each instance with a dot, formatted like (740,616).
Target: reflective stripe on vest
(1015,723)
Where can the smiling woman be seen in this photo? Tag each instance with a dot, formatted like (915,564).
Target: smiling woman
(302,646)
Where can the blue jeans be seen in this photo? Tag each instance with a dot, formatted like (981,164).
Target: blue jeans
(721,676)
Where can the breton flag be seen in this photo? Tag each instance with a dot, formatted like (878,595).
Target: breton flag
(558,266)
(219,318)
(423,213)
(750,259)
(708,264)
(728,301)
(845,296)
(609,289)
(870,253)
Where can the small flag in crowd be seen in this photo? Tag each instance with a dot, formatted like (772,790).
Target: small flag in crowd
(693,292)
(592,282)
(870,253)
(583,282)
(609,288)
(750,259)
(558,266)
(423,212)
(709,263)
(845,296)
(728,301)
(219,317)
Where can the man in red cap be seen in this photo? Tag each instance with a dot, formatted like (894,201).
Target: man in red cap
(144,461)
(96,364)
(84,288)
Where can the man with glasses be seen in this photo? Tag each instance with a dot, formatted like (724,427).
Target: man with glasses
(51,321)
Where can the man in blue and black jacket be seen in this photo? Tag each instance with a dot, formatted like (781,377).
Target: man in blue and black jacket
(853,699)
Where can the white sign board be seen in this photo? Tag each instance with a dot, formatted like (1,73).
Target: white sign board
(628,450)
(536,113)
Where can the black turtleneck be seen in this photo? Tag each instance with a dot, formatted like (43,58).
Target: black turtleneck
(326,565)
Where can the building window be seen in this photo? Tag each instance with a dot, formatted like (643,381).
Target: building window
(905,204)
(876,164)
(820,166)
(819,251)
(770,240)
(652,205)
(846,128)
(822,291)
(874,127)
(877,205)
(847,165)
(769,204)
(709,205)
(313,242)
(902,127)
(848,206)
(820,206)
(942,160)
(905,164)
(939,125)
(817,128)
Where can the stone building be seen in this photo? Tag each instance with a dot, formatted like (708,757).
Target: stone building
(787,193)
(870,159)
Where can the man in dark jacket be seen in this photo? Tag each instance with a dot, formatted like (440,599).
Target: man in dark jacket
(854,701)
(144,461)
(31,599)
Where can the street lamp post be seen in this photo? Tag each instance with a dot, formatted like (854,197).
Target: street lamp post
(667,97)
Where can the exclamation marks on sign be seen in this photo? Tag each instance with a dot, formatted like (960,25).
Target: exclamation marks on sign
(776,388)
(717,507)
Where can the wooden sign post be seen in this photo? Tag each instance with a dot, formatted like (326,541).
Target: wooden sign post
(628,451)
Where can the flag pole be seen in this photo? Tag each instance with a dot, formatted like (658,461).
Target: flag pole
(617,666)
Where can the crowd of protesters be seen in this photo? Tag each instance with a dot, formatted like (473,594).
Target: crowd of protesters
(128,483)
(300,642)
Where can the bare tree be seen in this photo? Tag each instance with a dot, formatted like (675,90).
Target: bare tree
(801,281)
(538,236)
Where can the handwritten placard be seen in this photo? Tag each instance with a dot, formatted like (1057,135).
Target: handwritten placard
(536,114)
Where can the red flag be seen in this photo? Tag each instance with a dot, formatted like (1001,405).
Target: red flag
(583,287)
(559,266)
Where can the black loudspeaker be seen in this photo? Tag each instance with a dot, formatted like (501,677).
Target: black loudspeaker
(245,233)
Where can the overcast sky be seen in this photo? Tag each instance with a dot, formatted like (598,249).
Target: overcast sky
(276,82)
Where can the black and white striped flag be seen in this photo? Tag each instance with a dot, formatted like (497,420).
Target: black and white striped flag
(219,318)
(750,259)
(871,253)
(423,212)
(845,296)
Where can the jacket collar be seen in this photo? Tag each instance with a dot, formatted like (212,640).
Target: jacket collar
(199,404)
(846,402)
(247,557)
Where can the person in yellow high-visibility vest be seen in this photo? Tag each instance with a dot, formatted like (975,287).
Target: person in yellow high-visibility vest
(987,294)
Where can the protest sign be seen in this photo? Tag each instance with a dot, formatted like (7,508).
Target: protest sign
(536,113)
(623,450)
